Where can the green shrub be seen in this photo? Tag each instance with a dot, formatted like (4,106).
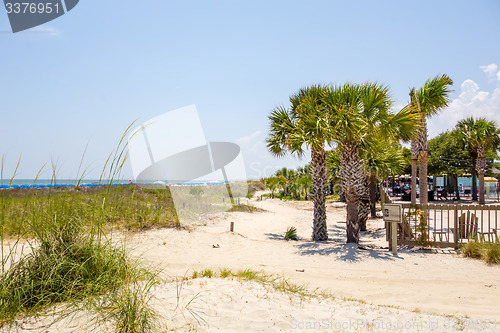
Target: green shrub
(472,249)
(491,253)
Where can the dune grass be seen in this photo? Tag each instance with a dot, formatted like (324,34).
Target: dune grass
(129,207)
(70,258)
(129,309)
(243,208)
(488,252)
(278,283)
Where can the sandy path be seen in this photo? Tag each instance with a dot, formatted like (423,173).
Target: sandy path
(442,283)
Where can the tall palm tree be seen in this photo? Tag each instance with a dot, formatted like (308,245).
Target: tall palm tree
(305,125)
(428,100)
(357,112)
(381,158)
(478,136)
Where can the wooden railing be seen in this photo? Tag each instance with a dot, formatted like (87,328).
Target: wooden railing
(447,225)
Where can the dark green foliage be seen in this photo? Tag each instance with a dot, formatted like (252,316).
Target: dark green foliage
(447,155)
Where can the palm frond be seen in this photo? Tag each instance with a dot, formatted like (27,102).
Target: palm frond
(433,95)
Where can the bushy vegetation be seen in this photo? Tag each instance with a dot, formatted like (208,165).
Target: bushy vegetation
(290,183)
(58,252)
(130,207)
(489,252)
(70,258)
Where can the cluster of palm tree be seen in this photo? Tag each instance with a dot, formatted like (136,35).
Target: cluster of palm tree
(465,150)
(478,136)
(352,117)
(291,183)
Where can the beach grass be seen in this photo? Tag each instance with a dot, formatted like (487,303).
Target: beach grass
(70,258)
(129,207)
(276,282)
(61,251)
(486,251)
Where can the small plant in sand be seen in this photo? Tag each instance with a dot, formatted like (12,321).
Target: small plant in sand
(291,234)
(224,273)
(207,273)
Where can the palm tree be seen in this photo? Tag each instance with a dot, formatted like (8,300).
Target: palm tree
(427,101)
(271,183)
(381,159)
(357,112)
(478,136)
(305,125)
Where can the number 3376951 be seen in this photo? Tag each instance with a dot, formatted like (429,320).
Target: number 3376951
(31,8)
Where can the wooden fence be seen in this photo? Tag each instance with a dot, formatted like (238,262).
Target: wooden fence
(446,225)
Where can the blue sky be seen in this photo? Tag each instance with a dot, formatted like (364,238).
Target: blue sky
(83,78)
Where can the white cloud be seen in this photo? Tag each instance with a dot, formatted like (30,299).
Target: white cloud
(249,138)
(472,101)
(46,30)
(490,69)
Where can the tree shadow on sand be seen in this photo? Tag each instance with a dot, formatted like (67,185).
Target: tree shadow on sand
(345,252)
(273,236)
(337,248)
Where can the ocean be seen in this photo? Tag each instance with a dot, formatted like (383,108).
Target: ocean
(59,182)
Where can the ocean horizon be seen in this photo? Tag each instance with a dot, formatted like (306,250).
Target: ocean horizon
(30,182)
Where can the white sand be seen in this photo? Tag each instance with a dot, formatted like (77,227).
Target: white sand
(440,284)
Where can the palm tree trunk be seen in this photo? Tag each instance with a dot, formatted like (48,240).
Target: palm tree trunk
(481,200)
(423,178)
(422,170)
(354,182)
(474,180)
(457,191)
(414,160)
(373,197)
(319,176)
(481,170)
(414,181)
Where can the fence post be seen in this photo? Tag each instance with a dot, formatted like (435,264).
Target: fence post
(455,225)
